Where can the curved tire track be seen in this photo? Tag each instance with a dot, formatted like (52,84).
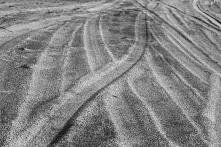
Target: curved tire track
(180,95)
(44,84)
(96,53)
(43,131)
(190,64)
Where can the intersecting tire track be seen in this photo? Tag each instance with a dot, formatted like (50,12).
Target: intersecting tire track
(77,96)
(60,89)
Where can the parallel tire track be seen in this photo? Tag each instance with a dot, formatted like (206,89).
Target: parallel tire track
(212,112)
(16,73)
(147,101)
(193,66)
(101,29)
(96,53)
(45,129)
(161,91)
(200,39)
(129,131)
(190,79)
(74,65)
(181,96)
(163,111)
(196,6)
(44,84)
(195,51)
(199,98)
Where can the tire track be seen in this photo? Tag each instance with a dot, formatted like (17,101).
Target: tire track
(201,99)
(194,50)
(213,38)
(212,20)
(23,52)
(93,118)
(44,85)
(176,18)
(178,54)
(183,47)
(20,29)
(75,62)
(212,112)
(101,29)
(157,17)
(121,114)
(190,79)
(97,56)
(163,111)
(180,95)
(200,39)
(71,102)
(201,21)
(118,31)
(156,120)
(139,42)
(111,35)
(60,8)
(17,73)
(210,14)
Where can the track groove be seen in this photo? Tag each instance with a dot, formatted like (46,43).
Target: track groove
(97,56)
(71,70)
(186,103)
(199,38)
(212,111)
(194,50)
(178,54)
(194,82)
(124,120)
(213,38)
(46,69)
(104,40)
(198,9)
(166,112)
(201,100)
(110,73)
(48,126)
(152,114)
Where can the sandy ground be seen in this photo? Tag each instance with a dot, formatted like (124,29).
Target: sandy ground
(110,73)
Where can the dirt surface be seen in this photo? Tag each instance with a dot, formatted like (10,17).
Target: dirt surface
(129,73)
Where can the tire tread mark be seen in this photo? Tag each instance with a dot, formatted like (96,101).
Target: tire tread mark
(72,102)
(97,57)
(168,83)
(212,112)
(179,55)
(151,112)
(194,50)
(40,90)
(103,39)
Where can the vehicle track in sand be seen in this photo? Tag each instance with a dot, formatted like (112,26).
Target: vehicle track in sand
(152,77)
(76,96)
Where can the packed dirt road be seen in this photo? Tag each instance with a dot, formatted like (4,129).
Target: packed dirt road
(129,73)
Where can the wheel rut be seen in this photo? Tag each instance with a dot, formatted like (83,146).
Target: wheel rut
(47,126)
